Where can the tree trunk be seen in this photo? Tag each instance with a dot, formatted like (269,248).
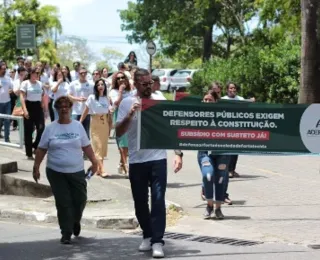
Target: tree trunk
(310,53)
(207,44)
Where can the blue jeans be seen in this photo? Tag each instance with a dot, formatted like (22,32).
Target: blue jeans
(85,123)
(141,174)
(5,108)
(214,169)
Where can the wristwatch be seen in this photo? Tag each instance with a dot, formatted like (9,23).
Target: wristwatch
(179,153)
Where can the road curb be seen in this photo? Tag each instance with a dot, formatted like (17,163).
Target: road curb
(107,222)
(171,204)
(8,167)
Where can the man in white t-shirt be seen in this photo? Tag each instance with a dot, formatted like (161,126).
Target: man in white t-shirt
(156,87)
(79,91)
(6,88)
(146,167)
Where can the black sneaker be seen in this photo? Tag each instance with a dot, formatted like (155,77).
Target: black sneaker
(65,240)
(208,212)
(218,213)
(76,229)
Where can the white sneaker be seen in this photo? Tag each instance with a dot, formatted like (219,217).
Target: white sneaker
(157,250)
(145,245)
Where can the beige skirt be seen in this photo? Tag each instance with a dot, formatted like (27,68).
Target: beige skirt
(99,134)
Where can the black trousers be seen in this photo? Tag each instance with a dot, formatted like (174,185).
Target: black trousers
(36,119)
(70,194)
(233,163)
(51,112)
(13,99)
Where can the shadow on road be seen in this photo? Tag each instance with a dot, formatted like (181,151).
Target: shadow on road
(86,248)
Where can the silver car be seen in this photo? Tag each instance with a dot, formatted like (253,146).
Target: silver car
(165,77)
(181,79)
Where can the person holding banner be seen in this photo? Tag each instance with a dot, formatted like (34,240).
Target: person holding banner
(214,169)
(146,167)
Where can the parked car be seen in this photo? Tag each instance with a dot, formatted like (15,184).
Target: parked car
(165,77)
(181,79)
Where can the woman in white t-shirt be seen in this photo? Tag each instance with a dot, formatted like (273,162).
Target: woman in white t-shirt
(60,87)
(64,140)
(120,90)
(31,97)
(97,105)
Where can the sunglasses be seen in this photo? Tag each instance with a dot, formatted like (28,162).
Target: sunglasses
(120,78)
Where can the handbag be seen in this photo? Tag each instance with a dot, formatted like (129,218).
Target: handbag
(17,111)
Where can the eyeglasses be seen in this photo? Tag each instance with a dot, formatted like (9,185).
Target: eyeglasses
(147,84)
(120,78)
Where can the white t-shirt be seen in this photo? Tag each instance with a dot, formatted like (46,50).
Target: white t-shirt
(64,143)
(114,95)
(159,95)
(97,107)
(5,86)
(16,85)
(45,80)
(78,89)
(33,91)
(235,98)
(62,90)
(134,155)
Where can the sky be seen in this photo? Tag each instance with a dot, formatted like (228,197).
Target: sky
(97,21)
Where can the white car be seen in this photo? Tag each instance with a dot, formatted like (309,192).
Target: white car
(165,77)
(181,79)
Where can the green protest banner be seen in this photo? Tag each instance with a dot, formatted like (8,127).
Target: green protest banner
(230,128)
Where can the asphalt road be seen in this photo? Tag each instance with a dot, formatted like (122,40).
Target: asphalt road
(31,242)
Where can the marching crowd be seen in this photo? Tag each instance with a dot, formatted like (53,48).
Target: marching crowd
(83,108)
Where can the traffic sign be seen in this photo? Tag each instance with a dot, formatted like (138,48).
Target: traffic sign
(26,36)
(151,48)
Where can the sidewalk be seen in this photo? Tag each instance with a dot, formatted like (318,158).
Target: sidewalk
(109,205)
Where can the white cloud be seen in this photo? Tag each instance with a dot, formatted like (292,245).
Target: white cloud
(66,7)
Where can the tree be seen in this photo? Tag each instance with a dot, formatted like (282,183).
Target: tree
(48,52)
(178,23)
(25,12)
(73,48)
(188,24)
(310,52)
(109,58)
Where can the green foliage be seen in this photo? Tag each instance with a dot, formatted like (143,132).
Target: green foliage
(18,12)
(48,52)
(268,74)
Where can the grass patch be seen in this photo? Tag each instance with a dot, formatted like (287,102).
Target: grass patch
(173,215)
(169,96)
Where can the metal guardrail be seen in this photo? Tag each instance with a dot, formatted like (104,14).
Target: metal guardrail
(21,131)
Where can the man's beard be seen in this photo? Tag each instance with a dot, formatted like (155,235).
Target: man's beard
(147,93)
